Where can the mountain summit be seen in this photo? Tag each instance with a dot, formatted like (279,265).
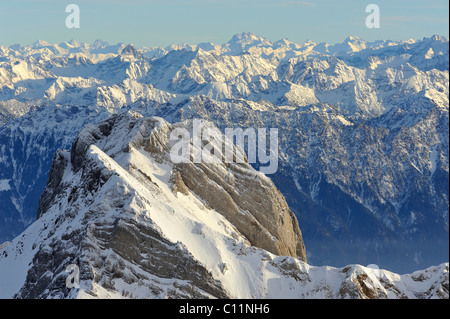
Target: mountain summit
(130,50)
(117,193)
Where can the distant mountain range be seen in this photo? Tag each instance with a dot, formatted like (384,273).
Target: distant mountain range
(363,129)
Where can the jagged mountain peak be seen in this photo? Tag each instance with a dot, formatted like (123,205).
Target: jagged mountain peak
(132,130)
(352,38)
(439,38)
(207,46)
(75,43)
(123,163)
(99,44)
(40,43)
(130,50)
(246,37)
(245,40)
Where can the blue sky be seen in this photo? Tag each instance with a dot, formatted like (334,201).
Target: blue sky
(163,22)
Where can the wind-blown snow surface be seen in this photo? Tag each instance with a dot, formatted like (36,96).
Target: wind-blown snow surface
(363,128)
(133,235)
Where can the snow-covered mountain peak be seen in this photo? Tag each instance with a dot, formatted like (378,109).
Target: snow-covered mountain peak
(137,186)
(74,43)
(439,38)
(240,43)
(130,50)
(283,42)
(352,38)
(138,226)
(99,44)
(40,43)
(247,38)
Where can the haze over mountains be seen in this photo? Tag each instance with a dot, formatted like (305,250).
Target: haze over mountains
(363,127)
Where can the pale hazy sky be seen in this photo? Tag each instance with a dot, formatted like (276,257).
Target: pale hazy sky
(163,22)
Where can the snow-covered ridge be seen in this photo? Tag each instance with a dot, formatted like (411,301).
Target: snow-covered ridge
(137,228)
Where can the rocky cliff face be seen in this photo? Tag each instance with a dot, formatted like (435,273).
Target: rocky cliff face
(248,199)
(116,206)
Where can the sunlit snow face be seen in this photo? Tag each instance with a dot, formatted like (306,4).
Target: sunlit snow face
(208,145)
